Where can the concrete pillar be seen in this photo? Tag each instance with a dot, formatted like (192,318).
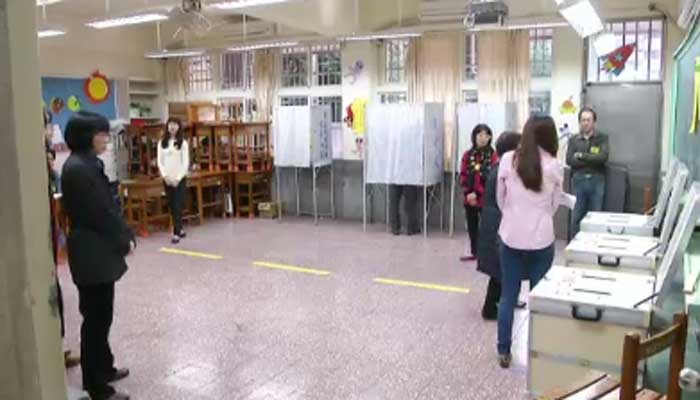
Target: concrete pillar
(31,366)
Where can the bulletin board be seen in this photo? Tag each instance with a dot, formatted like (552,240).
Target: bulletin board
(64,88)
(684,144)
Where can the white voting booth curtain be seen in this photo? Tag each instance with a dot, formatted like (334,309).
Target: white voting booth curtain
(265,77)
(433,74)
(499,117)
(302,136)
(405,144)
(504,70)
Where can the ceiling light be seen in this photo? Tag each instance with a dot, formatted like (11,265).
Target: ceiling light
(50,33)
(260,46)
(604,43)
(124,21)
(160,54)
(47,2)
(537,26)
(381,36)
(583,18)
(232,5)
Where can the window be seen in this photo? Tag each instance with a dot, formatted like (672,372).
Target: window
(540,102)
(645,62)
(396,52)
(325,61)
(392,97)
(199,75)
(286,101)
(470,96)
(237,70)
(336,103)
(471,63)
(295,71)
(541,53)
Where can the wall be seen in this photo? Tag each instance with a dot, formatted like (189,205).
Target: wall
(674,36)
(567,73)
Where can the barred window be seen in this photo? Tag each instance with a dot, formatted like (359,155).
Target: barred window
(199,74)
(540,102)
(392,97)
(286,101)
(326,65)
(646,61)
(396,53)
(541,53)
(336,103)
(295,69)
(471,59)
(237,70)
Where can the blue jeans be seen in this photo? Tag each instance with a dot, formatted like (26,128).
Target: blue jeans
(590,193)
(515,266)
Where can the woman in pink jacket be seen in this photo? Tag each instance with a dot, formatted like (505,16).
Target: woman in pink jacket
(528,190)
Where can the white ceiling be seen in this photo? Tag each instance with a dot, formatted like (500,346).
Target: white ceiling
(324,17)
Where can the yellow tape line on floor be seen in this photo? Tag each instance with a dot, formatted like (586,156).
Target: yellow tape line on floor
(191,254)
(420,285)
(292,268)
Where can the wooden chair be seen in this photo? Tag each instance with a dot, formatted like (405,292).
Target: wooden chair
(202,145)
(600,386)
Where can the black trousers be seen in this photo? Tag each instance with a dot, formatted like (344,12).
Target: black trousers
(410,206)
(493,295)
(176,203)
(96,359)
(59,295)
(473,216)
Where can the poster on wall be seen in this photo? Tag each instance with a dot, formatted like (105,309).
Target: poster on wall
(66,96)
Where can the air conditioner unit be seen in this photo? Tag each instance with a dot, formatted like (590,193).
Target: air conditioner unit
(480,13)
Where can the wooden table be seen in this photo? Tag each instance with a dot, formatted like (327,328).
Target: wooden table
(137,193)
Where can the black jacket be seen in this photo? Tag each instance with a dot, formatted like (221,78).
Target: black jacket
(99,239)
(594,154)
(488,259)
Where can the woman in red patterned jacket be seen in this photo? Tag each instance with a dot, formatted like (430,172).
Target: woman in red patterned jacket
(476,165)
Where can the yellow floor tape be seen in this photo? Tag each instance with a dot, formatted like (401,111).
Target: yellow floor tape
(420,285)
(292,268)
(191,254)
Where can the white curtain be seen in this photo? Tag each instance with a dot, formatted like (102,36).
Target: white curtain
(504,69)
(265,72)
(176,78)
(433,75)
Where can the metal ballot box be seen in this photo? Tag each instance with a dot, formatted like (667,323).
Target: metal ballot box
(579,317)
(636,224)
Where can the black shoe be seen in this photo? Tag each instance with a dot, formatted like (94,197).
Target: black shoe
(395,232)
(411,233)
(489,314)
(182,235)
(504,360)
(118,396)
(118,374)
(175,239)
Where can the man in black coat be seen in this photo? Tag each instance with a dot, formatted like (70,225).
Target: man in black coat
(97,244)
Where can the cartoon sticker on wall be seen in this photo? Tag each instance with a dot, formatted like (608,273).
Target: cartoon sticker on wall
(57,105)
(568,107)
(97,87)
(355,120)
(354,71)
(74,104)
(616,61)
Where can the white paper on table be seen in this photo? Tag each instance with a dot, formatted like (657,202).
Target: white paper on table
(567,200)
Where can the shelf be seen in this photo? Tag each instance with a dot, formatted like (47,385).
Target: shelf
(136,79)
(144,93)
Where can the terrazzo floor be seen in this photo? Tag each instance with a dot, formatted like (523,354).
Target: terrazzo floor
(199,328)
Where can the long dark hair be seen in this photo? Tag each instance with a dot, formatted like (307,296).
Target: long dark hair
(539,132)
(179,136)
(481,128)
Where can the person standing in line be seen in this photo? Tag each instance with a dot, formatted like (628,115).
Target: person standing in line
(488,260)
(410,206)
(174,165)
(98,241)
(587,155)
(476,165)
(528,191)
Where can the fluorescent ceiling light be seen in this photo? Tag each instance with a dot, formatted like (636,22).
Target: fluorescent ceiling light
(47,2)
(604,43)
(536,26)
(260,46)
(232,5)
(583,18)
(124,21)
(381,36)
(50,33)
(160,54)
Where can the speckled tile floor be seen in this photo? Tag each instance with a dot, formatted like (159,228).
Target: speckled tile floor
(192,328)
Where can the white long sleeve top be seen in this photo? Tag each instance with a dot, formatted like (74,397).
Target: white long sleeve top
(173,163)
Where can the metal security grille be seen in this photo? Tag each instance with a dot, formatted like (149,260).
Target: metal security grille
(295,67)
(237,70)
(199,74)
(286,101)
(396,53)
(541,53)
(326,65)
(336,104)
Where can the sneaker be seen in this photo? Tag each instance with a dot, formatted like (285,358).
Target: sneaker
(175,239)
(504,360)
(182,235)
(489,314)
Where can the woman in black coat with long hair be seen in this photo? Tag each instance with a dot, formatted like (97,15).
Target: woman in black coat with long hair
(488,260)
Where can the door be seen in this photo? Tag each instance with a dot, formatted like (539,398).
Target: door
(631,115)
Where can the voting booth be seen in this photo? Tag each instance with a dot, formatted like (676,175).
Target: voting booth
(303,140)
(404,145)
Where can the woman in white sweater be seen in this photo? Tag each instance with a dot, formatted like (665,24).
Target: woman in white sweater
(174,164)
